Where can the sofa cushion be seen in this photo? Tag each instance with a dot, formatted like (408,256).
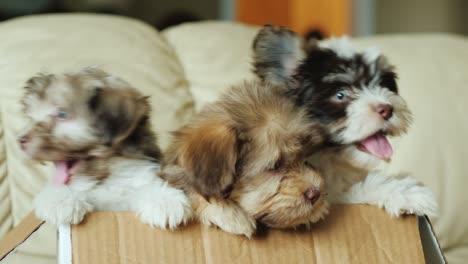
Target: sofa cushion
(432,77)
(213,58)
(60,43)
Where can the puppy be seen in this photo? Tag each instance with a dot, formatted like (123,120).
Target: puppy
(354,97)
(242,159)
(95,128)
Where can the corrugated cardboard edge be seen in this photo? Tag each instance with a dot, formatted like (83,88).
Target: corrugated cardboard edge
(19,234)
(431,247)
(215,246)
(31,224)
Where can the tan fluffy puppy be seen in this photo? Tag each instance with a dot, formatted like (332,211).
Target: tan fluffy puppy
(242,160)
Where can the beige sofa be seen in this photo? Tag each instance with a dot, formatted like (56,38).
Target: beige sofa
(187,66)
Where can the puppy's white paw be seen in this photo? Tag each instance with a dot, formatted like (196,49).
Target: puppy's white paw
(397,195)
(411,199)
(59,205)
(162,206)
(228,217)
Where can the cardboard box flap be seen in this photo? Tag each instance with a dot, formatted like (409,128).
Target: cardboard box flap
(19,234)
(350,234)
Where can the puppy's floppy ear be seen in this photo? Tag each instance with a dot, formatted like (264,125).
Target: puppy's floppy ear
(118,112)
(277,54)
(208,152)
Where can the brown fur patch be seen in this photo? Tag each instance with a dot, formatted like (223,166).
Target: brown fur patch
(278,200)
(98,168)
(251,143)
(208,151)
(118,111)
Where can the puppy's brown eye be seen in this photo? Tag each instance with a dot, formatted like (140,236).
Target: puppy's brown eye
(278,165)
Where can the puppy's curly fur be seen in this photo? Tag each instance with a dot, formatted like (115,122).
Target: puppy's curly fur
(354,97)
(95,128)
(242,160)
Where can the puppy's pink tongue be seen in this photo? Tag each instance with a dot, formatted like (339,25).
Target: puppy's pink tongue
(378,146)
(62,173)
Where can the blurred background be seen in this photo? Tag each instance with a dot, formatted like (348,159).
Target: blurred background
(328,17)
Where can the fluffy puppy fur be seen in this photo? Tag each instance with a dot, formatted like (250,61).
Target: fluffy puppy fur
(242,160)
(95,128)
(354,97)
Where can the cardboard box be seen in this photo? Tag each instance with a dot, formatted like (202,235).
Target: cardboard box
(350,234)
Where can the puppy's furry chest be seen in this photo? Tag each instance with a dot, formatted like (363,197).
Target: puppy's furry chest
(124,179)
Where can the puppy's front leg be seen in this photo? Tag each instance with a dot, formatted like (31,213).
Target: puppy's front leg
(225,214)
(62,204)
(159,204)
(397,195)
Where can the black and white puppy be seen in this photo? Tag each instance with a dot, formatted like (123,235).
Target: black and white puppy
(354,96)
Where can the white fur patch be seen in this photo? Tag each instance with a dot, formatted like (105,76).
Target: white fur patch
(350,181)
(363,121)
(61,205)
(133,185)
(161,205)
(77,129)
(371,54)
(396,195)
(116,82)
(38,111)
(342,46)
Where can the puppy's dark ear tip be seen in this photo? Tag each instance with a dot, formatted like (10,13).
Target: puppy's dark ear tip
(268,29)
(314,34)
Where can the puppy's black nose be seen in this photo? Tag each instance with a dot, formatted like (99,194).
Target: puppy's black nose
(312,194)
(385,111)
